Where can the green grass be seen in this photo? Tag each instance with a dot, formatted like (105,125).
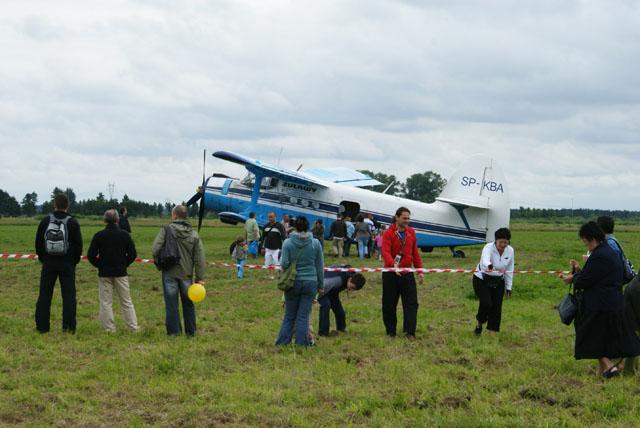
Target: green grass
(232,374)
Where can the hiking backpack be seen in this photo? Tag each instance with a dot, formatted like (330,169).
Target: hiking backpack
(56,236)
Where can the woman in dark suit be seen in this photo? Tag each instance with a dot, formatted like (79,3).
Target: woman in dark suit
(602,330)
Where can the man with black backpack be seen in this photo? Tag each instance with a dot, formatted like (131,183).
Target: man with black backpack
(178,251)
(59,248)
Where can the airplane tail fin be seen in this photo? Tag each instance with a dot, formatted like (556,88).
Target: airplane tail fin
(480,184)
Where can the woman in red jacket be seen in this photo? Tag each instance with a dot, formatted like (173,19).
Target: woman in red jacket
(400,250)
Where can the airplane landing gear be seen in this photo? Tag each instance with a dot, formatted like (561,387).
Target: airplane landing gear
(458,254)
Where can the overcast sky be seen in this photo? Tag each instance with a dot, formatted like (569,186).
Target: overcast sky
(130,92)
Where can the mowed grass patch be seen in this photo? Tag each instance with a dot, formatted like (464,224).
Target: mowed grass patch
(231,374)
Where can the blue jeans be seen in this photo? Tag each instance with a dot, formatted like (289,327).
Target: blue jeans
(297,303)
(173,287)
(363,246)
(240,269)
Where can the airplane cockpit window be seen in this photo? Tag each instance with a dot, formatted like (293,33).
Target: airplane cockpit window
(249,180)
(269,183)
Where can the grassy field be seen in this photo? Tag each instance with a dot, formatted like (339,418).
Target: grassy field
(231,374)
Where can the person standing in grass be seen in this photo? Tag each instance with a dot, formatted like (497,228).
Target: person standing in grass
(318,232)
(338,234)
(305,251)
(272,239)
(252,234)
(362,236)
(400,250)
(177,279)
(631,291)
(239,256)
(123,221)
(348,240)
(602,329)
(59,248)
(112,250)
(492,279)
(632,312)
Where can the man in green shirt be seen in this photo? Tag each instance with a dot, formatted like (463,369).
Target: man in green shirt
(177,279)
(252,234)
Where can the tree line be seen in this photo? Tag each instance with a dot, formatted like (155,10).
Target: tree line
(423,187)
(10,207)
(579,213)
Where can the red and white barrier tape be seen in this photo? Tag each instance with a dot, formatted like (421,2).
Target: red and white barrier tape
(401,270)
(19,256)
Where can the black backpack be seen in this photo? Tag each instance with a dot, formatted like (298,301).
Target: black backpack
(169,255)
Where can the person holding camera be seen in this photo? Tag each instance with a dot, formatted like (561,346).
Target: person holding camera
(492,279)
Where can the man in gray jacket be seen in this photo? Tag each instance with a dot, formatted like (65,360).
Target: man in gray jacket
(177,279)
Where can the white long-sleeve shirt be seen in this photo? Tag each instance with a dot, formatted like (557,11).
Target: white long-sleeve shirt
(503,265)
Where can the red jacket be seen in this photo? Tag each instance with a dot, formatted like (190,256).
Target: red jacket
(392,246)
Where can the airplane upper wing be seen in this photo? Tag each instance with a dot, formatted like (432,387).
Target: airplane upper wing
(257,167)
(345,176)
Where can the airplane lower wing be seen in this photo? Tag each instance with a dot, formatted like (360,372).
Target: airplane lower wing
(231,217)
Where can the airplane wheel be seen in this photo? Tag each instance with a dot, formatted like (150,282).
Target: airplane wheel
(459,254)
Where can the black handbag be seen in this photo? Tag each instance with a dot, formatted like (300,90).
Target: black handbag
(569,307)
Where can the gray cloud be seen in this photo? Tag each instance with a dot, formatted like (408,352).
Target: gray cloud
(132,92)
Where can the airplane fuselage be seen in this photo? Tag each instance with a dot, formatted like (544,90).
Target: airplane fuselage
(433,222)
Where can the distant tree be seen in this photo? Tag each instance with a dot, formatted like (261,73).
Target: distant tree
(386,180)
(168,206)
(9,206)
(29,203)
(72,197)
(160,209)
(194,210)
(47,206)
(424,187)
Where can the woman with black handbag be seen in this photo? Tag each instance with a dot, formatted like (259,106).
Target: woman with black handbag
(301,280)
(602,330)
(494,277)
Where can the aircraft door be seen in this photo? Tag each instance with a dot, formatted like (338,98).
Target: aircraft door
(349,209)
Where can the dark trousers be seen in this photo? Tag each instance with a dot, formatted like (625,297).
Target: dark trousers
(66,273)
(174,289)
(347,247)
(331,302)
(490,310)
(632,311)
(393,288)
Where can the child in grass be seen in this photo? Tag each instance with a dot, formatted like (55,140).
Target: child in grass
(378,240)
(239,255)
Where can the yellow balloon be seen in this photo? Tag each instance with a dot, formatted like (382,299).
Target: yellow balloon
(197,293)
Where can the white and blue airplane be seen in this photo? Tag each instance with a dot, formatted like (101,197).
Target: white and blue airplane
(472,206)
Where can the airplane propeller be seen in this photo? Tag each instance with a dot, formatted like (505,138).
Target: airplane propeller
(200,192)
